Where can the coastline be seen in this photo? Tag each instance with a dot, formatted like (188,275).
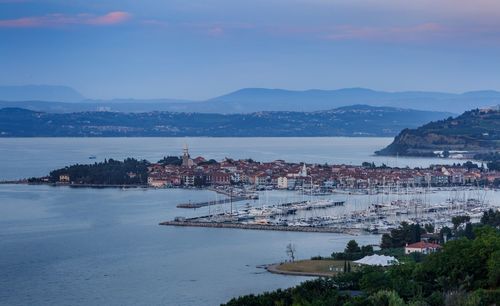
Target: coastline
(24,182)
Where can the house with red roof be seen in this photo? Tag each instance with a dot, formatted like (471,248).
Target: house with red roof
(422,247)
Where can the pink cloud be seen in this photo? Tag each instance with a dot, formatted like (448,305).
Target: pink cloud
(110,18)
(57,20)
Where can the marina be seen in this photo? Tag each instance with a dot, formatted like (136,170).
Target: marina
(385,210)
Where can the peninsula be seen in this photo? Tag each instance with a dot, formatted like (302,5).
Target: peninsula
(474,134)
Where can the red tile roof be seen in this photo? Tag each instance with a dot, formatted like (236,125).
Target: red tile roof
(423,245)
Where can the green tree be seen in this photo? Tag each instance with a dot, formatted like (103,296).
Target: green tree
(459,220)
(491,218)
(386,298)
(366,250)
(352,247)
(494,269)
(171,160)
(468,233)
(386,241)
(374,279)
(429,228)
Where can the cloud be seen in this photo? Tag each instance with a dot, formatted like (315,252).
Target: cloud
(110,18)
(58,20)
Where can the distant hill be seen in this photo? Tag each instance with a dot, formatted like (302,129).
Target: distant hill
(40,92)
(476,131)
(251,100)
(358,120)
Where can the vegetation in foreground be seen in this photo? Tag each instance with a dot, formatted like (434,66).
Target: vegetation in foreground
(465,272)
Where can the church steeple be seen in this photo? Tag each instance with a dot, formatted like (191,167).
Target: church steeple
(185,157)
(303,171)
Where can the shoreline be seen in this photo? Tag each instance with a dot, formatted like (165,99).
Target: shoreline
(23,182)
(360,191)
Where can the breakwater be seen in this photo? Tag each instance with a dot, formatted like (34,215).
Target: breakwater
(209,203)
(261,227)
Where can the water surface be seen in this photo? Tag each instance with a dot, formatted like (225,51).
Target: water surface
(27,157)
(82,246)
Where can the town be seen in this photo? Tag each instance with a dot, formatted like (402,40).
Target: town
(198,172)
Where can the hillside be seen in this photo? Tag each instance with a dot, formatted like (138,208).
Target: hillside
(475,131)
(359,120)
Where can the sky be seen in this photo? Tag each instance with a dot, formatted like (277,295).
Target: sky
(198,49)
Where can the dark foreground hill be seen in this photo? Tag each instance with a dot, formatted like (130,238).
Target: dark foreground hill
(359,120)
(476,131)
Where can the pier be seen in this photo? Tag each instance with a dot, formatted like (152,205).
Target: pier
(232,197)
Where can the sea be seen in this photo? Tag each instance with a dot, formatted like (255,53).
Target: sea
(87,246)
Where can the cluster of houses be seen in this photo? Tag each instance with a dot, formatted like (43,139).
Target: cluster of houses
(282,175)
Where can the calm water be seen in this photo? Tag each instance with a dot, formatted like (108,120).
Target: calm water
(25,157)
(66,246)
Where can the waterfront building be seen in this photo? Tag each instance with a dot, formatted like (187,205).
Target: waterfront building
(221,178)
(282,182)
(156,182)
(188,179)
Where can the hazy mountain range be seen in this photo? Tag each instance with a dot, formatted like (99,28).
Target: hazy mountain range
(357,120)
(41,93)
(248,100)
